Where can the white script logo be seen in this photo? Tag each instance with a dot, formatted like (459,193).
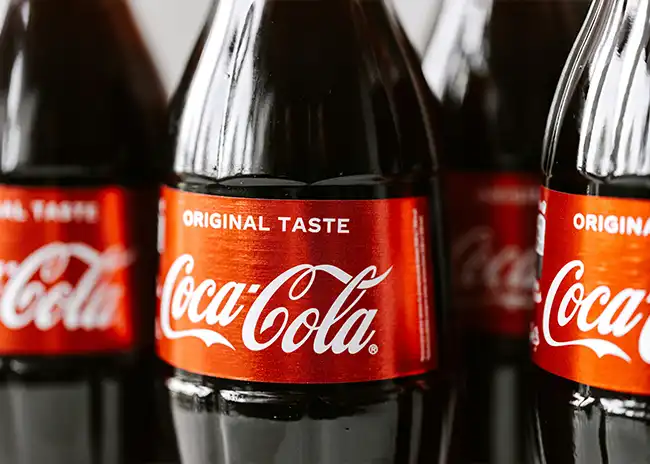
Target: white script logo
(509,273)
(620,315)
(181,297)
(91,304)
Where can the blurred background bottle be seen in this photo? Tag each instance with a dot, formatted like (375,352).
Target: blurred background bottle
(494,64)
(82,114)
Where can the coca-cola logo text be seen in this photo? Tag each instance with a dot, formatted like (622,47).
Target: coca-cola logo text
(343,327)
(37,292)
(620,314)
(508,272)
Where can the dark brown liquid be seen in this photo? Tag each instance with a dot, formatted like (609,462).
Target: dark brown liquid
(312,99)
(496,96)
(81,105)
(577,423)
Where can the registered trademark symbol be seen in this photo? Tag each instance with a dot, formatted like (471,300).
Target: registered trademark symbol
(374,349)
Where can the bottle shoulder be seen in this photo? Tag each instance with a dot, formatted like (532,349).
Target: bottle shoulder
(306,91)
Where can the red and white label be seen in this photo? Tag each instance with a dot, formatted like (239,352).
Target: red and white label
(492,223)
(592,318)
(296,291)
(65,271)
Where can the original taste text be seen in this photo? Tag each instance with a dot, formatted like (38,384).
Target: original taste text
(307,225)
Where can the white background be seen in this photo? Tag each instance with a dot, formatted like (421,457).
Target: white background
(171,26)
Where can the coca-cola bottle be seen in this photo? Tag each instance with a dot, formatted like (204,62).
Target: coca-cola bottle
(301,262)
(82,118)
(591,340)
(495,66)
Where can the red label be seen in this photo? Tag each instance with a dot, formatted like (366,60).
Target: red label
(492,221)
(296,291)
(65,271)
(593,301)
